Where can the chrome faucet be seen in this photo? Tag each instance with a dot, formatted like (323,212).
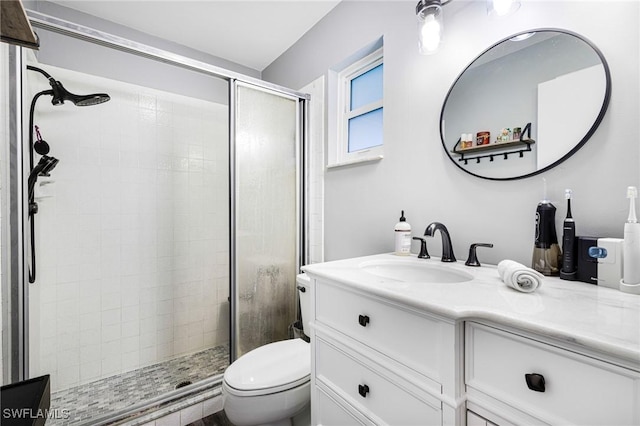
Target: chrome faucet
(447,248)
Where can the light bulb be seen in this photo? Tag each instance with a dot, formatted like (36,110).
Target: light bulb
(502,7)
(430,34)
(430,27)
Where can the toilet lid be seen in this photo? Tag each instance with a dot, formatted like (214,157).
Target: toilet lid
(276,366)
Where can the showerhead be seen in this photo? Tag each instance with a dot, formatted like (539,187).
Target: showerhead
(60,94)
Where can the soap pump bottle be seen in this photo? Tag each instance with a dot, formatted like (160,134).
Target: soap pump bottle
(403,236)
(630,282)
(546,252)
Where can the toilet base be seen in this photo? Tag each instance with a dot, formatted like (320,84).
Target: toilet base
(303,418)
(268,410)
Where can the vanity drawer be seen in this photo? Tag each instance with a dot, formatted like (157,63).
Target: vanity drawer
(392,401)
(401,334)
(331,413)
(577,389)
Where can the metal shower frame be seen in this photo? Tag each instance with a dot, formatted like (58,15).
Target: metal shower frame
(16,263)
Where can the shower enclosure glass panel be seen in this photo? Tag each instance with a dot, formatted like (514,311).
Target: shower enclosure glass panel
(267,216)
(132,244)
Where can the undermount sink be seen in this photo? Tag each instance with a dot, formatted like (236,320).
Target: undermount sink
(408,271)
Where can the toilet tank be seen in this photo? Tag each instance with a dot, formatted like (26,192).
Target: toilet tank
(304,282)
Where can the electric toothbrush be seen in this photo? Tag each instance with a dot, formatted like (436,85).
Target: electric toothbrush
(568,271)
(631,247)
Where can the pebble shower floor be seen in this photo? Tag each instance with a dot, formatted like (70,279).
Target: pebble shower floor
(99,398)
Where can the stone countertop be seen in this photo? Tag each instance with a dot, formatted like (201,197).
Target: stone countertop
(597,318)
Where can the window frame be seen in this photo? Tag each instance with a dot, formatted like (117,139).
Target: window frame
(345,77)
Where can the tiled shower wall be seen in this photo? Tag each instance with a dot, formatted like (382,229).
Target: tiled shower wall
(132,232)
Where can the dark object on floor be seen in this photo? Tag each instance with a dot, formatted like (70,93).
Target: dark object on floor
(216,419)
(26,403)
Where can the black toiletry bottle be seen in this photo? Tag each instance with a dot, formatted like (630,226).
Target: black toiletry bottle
(546,251)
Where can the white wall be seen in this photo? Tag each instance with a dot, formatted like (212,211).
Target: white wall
(363,202)
(132,244)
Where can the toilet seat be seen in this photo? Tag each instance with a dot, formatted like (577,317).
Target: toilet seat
(271,368)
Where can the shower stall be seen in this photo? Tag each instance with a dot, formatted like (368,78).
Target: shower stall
(153,238)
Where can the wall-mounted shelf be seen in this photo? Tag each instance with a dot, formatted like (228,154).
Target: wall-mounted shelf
(520,146)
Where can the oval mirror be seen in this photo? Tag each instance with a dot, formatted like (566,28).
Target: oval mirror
(525,104)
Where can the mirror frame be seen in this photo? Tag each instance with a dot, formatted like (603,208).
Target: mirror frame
(587,136)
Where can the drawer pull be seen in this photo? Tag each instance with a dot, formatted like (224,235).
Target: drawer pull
(363,390)
(363,320)
(535,382)
(302,289)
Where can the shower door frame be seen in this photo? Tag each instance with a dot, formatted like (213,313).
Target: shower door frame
(19,290)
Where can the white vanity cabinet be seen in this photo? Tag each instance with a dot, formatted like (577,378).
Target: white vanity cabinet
(379,362)
(474,353)
(513,377)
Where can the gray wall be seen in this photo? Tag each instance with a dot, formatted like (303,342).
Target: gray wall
(362,203)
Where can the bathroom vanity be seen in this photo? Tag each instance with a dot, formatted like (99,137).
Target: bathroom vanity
(407,341)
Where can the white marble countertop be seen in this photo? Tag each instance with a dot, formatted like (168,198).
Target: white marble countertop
(597,318)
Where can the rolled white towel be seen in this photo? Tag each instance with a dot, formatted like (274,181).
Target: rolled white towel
(518,276)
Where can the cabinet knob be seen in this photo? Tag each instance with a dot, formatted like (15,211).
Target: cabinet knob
(363,390)
(535,382)
(363,320)
(302,289)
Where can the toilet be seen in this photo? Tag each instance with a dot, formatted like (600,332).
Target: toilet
(270,385)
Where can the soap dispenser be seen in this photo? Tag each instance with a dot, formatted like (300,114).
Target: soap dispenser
(403,236)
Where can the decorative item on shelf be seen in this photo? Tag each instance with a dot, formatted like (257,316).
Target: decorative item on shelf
(483,138)
(505,135)
(517,131)
(466,140)
(523,144)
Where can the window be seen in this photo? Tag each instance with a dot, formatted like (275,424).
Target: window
(359,110)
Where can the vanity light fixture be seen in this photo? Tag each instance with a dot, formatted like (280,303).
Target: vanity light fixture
(502,7)
(430,28)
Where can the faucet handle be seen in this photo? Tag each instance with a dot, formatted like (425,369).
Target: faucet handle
(424,254)
(472,260)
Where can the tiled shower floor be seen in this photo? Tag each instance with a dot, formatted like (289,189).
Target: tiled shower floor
(112,394)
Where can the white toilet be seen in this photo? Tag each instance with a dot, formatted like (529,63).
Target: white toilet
(270,385)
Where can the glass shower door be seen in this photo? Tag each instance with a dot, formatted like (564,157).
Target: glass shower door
(266,216)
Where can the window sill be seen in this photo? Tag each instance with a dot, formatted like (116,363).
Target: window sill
(354,162)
